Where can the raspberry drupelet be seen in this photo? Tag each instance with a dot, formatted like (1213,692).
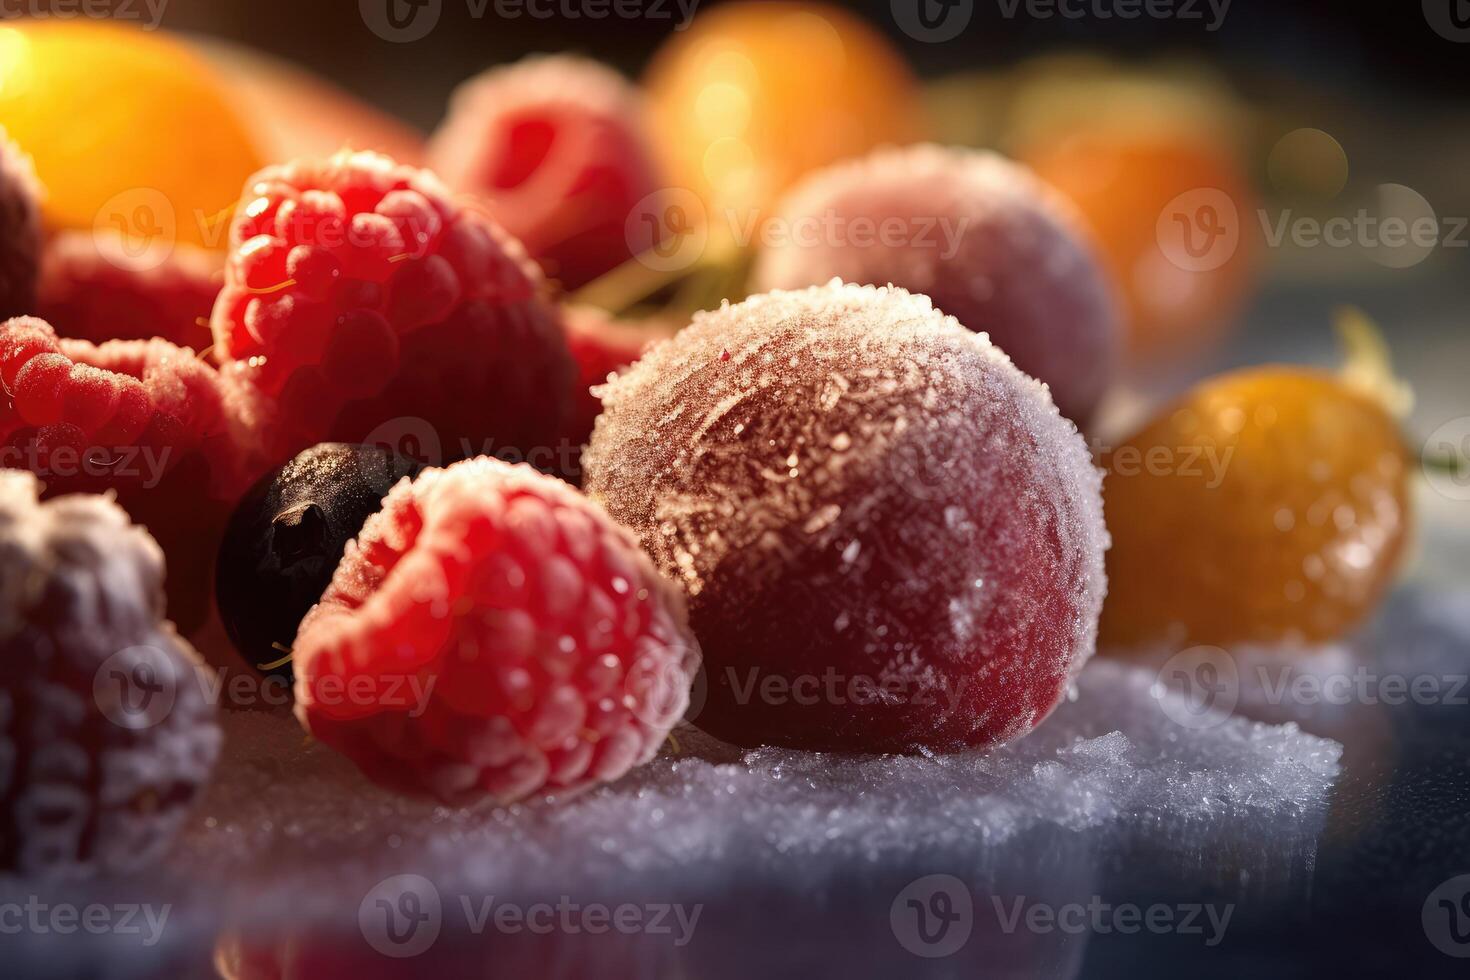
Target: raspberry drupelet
(982,237)
(358,292)
(492,634)
(141,418)
(557,147)
(105,729)
(889,537)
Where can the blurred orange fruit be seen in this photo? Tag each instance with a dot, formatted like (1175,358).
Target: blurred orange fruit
(754,95)
(1267,505)
(129,130)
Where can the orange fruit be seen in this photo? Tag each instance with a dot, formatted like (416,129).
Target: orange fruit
(1175,219)
(128,129)
(1267,505)
(754,95)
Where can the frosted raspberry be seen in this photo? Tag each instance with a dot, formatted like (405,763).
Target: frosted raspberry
(557,147)
(141,418)
(357,292)
(601,346)
(20,231)
(93,289)
(549,652)
(106,735)
(990,244)
(889,537)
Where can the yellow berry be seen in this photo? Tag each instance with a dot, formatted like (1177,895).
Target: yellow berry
(1268,505)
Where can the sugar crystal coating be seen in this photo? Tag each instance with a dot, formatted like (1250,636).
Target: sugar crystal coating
(979,235)
(889,537)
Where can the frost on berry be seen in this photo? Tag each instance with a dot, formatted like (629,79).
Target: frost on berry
(492,634)
(889,537)
(106,736)
(557,147)
(20,231)
(358,292)
(981,236)
(142,419)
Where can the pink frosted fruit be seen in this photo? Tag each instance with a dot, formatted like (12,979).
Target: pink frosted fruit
(492,634)
(889,537)
(557,148)
(984,239)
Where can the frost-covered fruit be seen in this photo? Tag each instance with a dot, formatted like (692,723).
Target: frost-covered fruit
(359,294)
(1269,505)
(285,539)
(20,231)
(601,346)
(990,244)
(142,419)
(106,735)
(889,537)
(557,148)
(95,287)
(493,634)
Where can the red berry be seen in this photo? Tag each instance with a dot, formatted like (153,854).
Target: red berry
(557,147)
(358,293)
(601,346)
(20,231)
(143,419)
(491,633)
(105,729)
(92,289)
(983,238)
(889,537)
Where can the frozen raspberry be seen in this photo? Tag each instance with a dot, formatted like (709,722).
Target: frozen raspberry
(601,346)
(492,634)
(357,293)
(106,735)
(557,147)
(20,231)
(93,288)
(141,418)
(889,537)
(984,239)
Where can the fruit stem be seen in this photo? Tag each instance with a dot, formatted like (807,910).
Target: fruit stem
(1368,366)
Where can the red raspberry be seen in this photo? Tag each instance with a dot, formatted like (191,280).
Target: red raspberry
(557,147)
(106,735)
(357,293)
(142,418)
(492,633)
(93,289)
(602,347)
(20,231)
